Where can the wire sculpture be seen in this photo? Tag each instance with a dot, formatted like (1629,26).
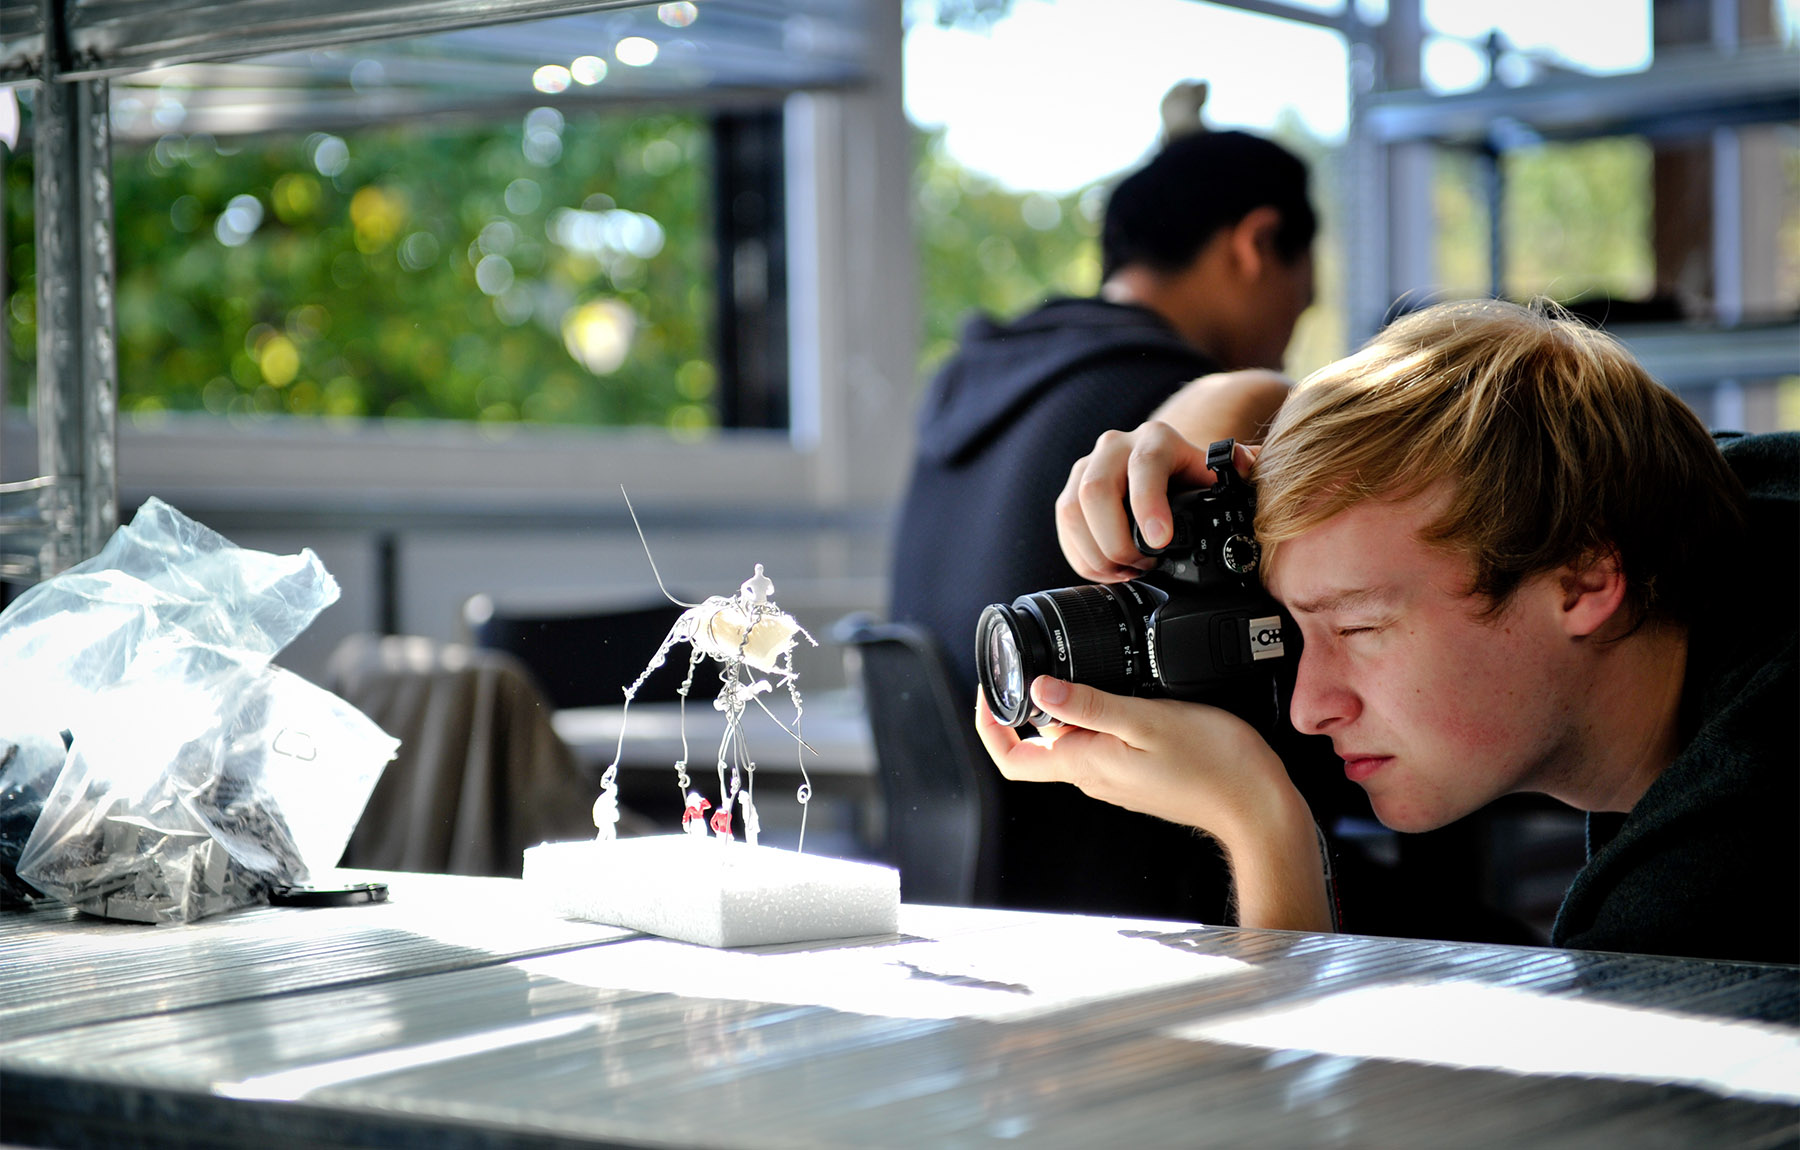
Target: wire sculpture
(744,634)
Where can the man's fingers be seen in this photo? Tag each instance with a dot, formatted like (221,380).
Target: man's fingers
(1076,538)
(1093,527)
(1101,493)
(1090,513)
(1160,456)
(1022,760)
(1093,710)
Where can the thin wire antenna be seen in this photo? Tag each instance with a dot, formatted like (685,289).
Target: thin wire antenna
(647,555)
(795,734)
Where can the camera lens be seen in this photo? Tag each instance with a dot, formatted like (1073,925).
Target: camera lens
(1002,667)
(1092,635)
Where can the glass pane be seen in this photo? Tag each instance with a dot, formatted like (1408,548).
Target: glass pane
(1577,220)
(534,268)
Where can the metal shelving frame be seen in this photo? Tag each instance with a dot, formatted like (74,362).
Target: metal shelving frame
(1701,91)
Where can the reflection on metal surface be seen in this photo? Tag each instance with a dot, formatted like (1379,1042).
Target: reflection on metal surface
(110,38)
(1034,966)
(37,516)
(1476,1026)
(77,370)
(293,1085)
(431,922)
(741,49)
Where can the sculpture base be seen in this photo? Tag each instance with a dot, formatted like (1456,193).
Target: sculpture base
(714,892)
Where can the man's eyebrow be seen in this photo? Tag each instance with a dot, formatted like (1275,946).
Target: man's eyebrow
(1344,599)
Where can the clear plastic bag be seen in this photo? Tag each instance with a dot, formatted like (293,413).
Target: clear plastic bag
(28,769)
(199,774)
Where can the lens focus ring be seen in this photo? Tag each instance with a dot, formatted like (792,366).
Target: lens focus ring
(1092,621)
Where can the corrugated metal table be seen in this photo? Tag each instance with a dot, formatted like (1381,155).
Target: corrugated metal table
(457,1015)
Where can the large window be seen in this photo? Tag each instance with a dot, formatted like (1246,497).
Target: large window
(537,267)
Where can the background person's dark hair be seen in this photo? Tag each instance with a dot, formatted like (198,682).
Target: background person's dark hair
(1163,213)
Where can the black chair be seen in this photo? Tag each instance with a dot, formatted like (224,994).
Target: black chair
(584,655)
(936,783)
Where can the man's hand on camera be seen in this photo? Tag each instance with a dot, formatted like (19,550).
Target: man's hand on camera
(1141,465)
(1190,764)
(1184,762)
(1090,512)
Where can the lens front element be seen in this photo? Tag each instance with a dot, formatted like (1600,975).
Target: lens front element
(1003,669)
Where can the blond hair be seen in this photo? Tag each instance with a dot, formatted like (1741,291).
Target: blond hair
(1558,447)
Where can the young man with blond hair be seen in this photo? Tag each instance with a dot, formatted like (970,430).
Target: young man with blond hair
(1517,564)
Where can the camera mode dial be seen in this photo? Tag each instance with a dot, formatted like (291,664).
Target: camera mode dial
(1240,554)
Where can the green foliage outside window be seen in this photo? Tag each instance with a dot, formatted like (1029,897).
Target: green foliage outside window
(1581,213)
(535,270)
(554,272)
(983,247)
(1577,221)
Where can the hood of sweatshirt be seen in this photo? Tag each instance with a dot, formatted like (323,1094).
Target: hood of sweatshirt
(1001,367)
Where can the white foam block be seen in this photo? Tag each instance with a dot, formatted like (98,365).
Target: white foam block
(714,892)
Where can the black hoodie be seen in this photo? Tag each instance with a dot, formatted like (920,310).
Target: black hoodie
(1002,424)
(1707,864)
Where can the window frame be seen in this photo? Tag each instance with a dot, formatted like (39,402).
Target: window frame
(849,382)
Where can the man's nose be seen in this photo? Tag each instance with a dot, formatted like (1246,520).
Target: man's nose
(1323,700)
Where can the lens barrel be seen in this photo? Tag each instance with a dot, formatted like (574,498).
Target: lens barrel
(1091,634)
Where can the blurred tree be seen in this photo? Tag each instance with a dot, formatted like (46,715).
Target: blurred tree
(983,247)
(539,270)
(1576,221)
(562,272)
(1581,215)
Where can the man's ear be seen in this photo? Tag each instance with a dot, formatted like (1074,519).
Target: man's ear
(1593,594)
(1253,241)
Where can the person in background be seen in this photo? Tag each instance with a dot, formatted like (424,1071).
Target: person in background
(1518,566)
(1206,267)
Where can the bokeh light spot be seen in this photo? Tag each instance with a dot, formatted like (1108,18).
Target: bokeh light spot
(418,251)
(296,195)
(551,79)
(588,69)
(598,334)
(523,196)
(1041,213)
(494,274)
(636,51)
(377,215)
(695,379)
(660,157)
(279,360)
(330,155)
(242,216)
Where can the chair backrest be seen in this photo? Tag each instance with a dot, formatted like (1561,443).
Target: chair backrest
(936,784)
(480,774)
(582,655)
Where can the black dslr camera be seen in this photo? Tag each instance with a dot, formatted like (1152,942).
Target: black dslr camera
(1198,626)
